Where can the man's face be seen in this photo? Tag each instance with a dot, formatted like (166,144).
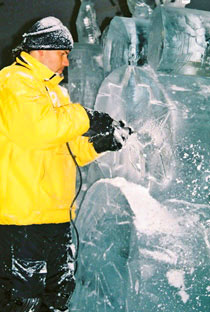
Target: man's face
(56,60)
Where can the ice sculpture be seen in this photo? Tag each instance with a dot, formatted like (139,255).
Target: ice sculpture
(85,73)
(132,94)
(86,60)
(144,222)
(140,7)
(126,42)
(137,255)
(87,27)
(179,41)
(171,142)
(175,3)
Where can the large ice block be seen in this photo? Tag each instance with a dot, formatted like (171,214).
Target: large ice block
(179,41)
(85,73)
(137,255)
(126,43)
(87,28)
(145,229)
(191,145)
(133,94)
(170,154)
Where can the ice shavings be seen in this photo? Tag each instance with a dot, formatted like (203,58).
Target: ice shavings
(161,255)
(176,279)
(150,216)
(178,88)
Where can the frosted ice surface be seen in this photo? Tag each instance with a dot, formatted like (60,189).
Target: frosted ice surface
(179,41)
(126,43)
(85,73)
(131,93)
(175,3)
(138,255)
(87,28)
(141,7)
(145,228)
(191,146)
(172,147)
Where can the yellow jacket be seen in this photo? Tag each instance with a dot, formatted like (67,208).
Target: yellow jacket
(37,174)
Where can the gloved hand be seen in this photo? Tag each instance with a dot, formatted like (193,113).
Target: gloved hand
(105,133)
(112,139)
(99,122)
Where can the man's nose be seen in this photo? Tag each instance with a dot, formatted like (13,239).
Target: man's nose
(66,61)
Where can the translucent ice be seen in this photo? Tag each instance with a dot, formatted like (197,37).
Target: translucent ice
(171,115)
(126,42)
(85,73)
(175,3)
(132,94)
(137,255)
(87,27)
(179,41)
(140,7)
(144,222)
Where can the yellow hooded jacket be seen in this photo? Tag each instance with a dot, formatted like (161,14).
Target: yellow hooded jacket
(37,174)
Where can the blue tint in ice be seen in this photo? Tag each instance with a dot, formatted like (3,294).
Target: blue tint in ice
(86,59)
(86,73)
(179,41)
(137,99)
(174,3)
(126,43)
(173,143)
(144,222)
(139,255)
(140,7)
(87,27)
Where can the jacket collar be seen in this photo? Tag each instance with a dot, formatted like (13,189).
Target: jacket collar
(39,69)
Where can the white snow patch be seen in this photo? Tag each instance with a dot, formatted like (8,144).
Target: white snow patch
(150,216)
(176,279)
(165,256)
(177,88)
(184,296)
(137,287)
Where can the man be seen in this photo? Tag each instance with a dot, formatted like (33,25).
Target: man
(37,180)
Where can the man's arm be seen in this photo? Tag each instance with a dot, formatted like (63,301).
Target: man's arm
(83,150)
(30,120)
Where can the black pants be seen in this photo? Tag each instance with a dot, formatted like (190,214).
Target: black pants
(36,268)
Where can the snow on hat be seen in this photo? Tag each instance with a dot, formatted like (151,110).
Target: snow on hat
(47,34)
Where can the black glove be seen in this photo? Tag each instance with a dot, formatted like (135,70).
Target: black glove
(99,122)
(105,133)
(112,139)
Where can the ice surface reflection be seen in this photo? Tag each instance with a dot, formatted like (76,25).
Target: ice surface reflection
(145,221)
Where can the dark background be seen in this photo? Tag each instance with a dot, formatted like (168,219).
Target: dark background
(16,16)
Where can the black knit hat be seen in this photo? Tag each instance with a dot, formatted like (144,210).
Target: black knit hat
(47,34)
